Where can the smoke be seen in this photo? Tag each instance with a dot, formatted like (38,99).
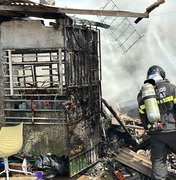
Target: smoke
(47,2)
(123,74)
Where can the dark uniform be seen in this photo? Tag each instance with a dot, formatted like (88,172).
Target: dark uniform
(163,139)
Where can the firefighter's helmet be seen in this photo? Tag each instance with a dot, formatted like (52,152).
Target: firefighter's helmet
(156,70)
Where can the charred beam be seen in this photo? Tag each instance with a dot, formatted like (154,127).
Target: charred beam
(116,117)
(150,8)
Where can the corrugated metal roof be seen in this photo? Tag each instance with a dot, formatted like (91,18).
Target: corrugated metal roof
(15,1)
(25,8)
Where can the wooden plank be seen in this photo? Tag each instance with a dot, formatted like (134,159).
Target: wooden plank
(135,161)
(55,10)
(103,12)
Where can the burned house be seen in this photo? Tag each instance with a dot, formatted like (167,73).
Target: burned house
(50,78)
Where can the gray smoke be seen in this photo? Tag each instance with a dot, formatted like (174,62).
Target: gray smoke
(124,74)
(47,2)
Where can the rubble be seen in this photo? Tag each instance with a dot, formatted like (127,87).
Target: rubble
(121,156)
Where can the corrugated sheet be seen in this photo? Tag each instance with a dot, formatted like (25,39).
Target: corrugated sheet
(25,8)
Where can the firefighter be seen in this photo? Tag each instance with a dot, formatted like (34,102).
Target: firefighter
(163,131)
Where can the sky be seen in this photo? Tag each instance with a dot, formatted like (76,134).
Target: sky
(123,74)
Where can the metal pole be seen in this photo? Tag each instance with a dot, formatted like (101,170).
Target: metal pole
(10,72)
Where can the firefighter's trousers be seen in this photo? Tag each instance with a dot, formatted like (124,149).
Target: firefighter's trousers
(161,144)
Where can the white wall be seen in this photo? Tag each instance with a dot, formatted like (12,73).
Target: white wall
(23,34)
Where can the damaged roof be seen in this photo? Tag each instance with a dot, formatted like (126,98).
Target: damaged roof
(23,8)
(26,8)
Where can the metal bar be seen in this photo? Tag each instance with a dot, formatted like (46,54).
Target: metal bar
(36,88)
(14,56)
(10,73)
(34,77)
(22,100)
(18,110)
(31,82)
(60,69)
(50,68)
(23,77)
(37,76)
(99,55)
(25,100)
(35,110)
(34,118)
(50,72)
(34,63)
(32,95)
(19,76)
(37,123)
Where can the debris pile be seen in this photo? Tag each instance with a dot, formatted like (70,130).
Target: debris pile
(124,153)
(126,149)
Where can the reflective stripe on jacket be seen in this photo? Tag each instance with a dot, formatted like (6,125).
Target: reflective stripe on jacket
(166,98)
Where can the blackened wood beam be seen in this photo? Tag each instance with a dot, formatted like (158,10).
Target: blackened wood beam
(116,117)
(150,8)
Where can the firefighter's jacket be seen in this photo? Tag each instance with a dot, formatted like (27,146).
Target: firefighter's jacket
(166,98)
